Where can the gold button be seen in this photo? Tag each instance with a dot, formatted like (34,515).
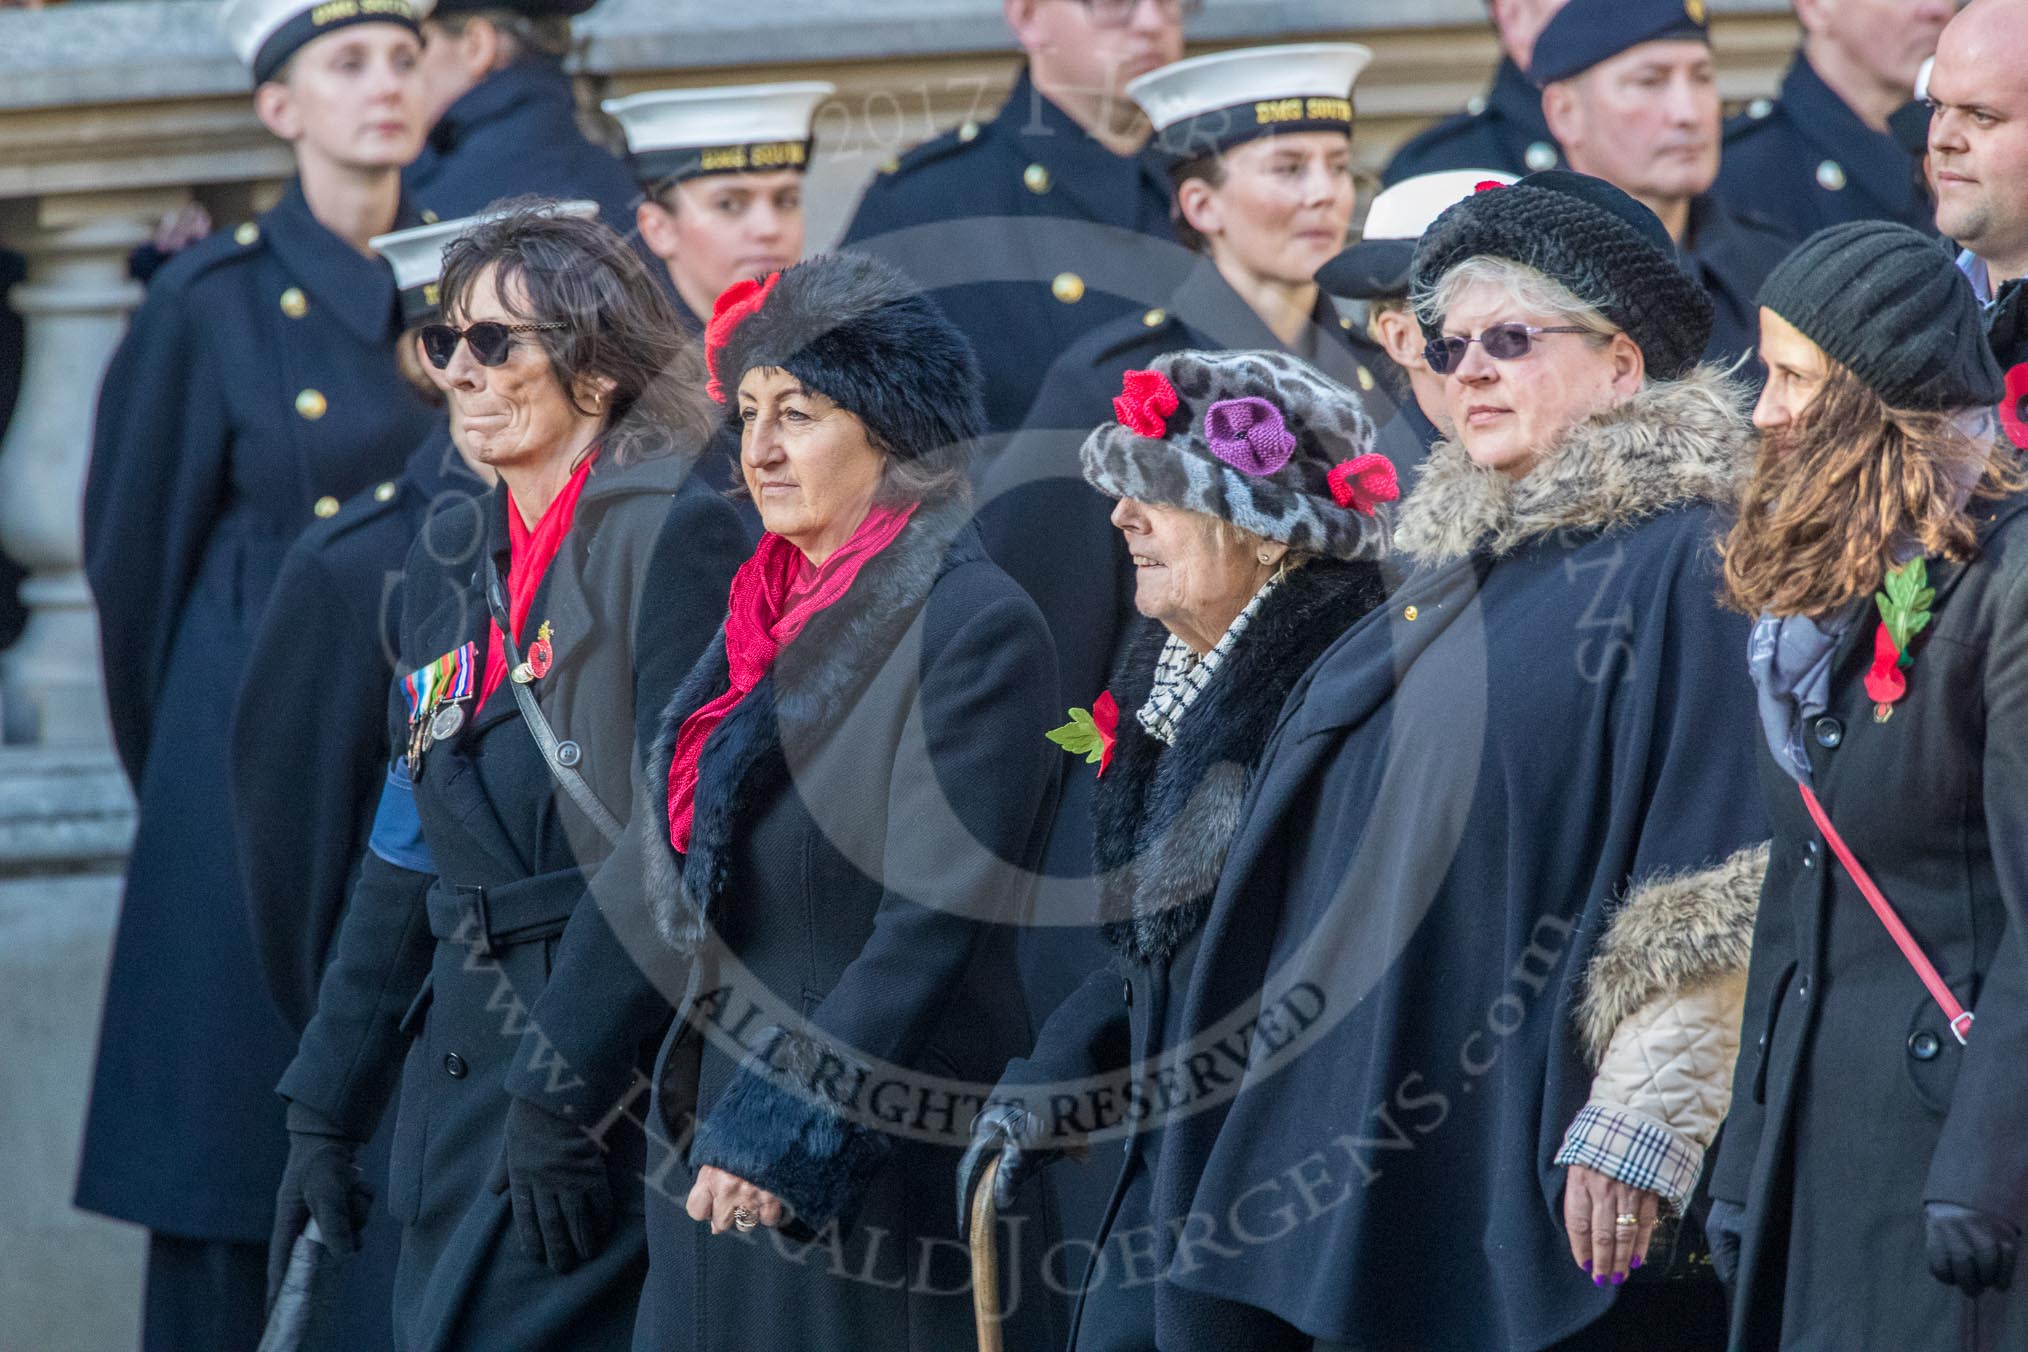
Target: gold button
(1410,614)
(294,303)
(1759,108)
(429,217)
(890,165)
(1365,379)
(312,405)
(1155,318)
(1068,288)
(247,233)
(1037,178)
(326,506)
(1695,9)
(1345,323)
(969,132)
(385,492)
(1831,176)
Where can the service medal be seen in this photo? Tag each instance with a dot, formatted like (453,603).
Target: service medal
(446,723)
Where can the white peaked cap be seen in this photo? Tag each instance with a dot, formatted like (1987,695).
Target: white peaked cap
(1192,88)
(417,254)
(265,33)
(1411,206)
(726,118)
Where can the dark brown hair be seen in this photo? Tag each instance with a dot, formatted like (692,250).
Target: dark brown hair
(547,36)
(1839,493)
(1210,168)
(617,323)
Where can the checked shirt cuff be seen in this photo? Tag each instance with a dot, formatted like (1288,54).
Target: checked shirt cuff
(1634,1149)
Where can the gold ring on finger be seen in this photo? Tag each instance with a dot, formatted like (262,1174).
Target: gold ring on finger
(742,1219)
(1626,1220)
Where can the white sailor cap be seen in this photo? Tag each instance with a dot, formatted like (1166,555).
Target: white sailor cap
(1208,103)
(265,33)
(1378,264)
(417,254)
(675,134)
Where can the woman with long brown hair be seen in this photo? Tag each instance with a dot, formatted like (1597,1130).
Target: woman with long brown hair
(1873,1180)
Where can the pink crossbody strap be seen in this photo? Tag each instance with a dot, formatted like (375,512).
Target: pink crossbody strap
(1959,1016)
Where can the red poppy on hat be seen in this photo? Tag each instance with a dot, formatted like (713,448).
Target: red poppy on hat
(1145,402)
(1364,482)
(736,304)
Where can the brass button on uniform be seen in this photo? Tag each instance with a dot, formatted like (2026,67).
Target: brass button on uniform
(1068,288)
(247,233)
(429,217)
(384,492)
(1410,613)
(1155,318)
(1037,179)
(312,404)
(1365,380)
(969,132)
(1831,176)
(890,165)
(326,506)
(294,303)
(1759,108)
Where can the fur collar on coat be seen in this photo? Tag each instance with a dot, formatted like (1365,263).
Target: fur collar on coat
(813,680)
(1163,816)
(1675,442)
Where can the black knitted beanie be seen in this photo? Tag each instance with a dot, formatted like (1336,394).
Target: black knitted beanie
(1593,238)
(1889,303)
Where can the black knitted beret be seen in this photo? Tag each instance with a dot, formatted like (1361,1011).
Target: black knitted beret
(857,331)
(1593,238)
(1890,304)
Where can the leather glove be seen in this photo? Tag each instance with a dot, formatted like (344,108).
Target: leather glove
(1017,1136)
(321,1179)
(1724,1229)
(1968,1248)
(555,1176)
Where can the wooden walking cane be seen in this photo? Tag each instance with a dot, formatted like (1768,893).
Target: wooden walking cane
(986,1261)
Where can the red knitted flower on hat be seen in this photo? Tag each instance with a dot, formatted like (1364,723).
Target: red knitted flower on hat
(2014,406)
(1364,482)
(736,304)
(1144,404)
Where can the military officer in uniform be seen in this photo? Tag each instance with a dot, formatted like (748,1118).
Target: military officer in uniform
(255,392)
(1038,225)
(1825,151)
(1501,128)
(721,175)
(1628,88)
(505,115)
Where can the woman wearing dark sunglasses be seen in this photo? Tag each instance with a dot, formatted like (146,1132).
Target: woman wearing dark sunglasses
(537,633)
(1499,860)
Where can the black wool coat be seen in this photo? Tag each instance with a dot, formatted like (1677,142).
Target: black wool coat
(1163,817)
(1854,1104)
(256,388)
(477,910)
(866,823)
(1550,710)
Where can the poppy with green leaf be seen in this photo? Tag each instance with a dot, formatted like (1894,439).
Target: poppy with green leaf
(1091,733)
(1904,613)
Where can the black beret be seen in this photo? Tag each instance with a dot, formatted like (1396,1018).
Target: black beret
(1586,32)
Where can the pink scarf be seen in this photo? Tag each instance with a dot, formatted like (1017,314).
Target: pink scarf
(774,594)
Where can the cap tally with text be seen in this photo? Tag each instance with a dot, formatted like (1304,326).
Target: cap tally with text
(264,34)
(533,9)
(1210,103)
(417,255)
(678,134)
(1585,32)
(1378,265)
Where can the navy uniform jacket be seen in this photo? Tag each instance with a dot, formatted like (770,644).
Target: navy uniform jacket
(1806,160)
(256,390)
(316,696)
(1029,233)
(1507,133)
(516,132)
(1730,253)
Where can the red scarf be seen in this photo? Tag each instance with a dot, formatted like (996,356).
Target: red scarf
(774,594)
(530,552)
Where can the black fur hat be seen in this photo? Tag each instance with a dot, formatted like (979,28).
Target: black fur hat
(857,331)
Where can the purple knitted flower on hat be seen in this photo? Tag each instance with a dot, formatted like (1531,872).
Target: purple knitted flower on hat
(1249,435)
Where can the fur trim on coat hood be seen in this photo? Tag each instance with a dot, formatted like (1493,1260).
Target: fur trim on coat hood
(1674,442)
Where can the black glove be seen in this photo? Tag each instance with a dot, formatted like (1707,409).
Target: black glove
(1968,1248)
(555,1176)
(1724,1228)
(321,1179)
(1018,1137)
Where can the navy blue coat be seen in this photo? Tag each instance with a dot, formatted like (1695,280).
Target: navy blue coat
(516,132)
(1854,1104)
(256,389)
(1507,132)
(1029,233)
(471,911)
(1806,160)
(1730,253)
(1383,1058)
(867,819)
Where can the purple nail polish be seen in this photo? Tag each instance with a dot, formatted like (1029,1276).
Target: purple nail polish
(1598,1280)
(1619,1277)
(1587,1266)
(1635,1266)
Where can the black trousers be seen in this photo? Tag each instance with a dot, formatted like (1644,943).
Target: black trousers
(203,1295)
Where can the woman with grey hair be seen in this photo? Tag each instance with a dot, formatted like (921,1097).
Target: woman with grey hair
(1250,498)
(1481,938)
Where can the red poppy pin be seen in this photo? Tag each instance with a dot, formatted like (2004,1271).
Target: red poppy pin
(2014,406)
(736,304)
(1145,403)
(1091,734)
(1364,482)
(1904,613)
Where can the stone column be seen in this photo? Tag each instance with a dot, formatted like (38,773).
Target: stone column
(74,307)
